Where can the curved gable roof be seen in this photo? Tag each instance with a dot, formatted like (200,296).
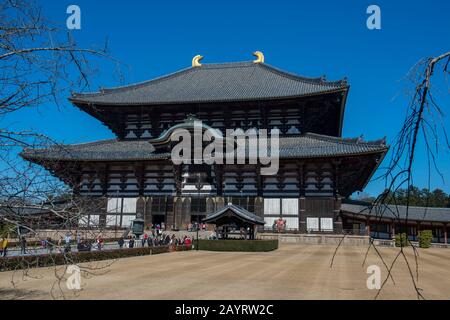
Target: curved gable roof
(225,82)
(237,211)
(308,145)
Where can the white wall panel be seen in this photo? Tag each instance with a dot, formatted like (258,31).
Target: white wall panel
(291,222)
(114,205)
(129,205)
(83,221)
(126,221)
(94,220)
(312,224)
(272,206)
(113,220)
(290,206)
(326,224)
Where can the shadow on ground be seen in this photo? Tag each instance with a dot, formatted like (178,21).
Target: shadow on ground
(18,294)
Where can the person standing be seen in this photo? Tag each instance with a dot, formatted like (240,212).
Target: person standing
(23,245)
(187,242)
(99,242)
(4,246)
(67,240)
(59,244)
(121,242)
(144,239)
(78,238)
(49,244)
(131,243)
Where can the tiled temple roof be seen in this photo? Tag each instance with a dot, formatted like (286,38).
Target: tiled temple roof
(238,81)
(393,212)
(305,146)
(238,211)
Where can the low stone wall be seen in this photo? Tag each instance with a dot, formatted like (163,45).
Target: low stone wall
(106,234)
(317,239)
(384,242)
(50,260)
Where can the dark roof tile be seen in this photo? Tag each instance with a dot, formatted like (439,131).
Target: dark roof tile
(238,211)
(239,81)
(305,146)
(393,212)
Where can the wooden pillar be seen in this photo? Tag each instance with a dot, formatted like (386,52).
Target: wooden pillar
(140,209)
(220,202)
(102,209)
(209,205)
(178,179)
(218,172)
(302,215)
(445,233)
(259,206)
(393,230)
(418,230)
(175,221)
(148,210)
(259,181)
(139,173)
(186,215)
(337,215)
(302,198)
(368,227)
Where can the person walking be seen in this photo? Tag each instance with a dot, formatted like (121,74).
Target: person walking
(4,246)
(23,245)
(67,240)
(99,242)
(79,238)
(49,245)
(59,243)
(131,243)
(187,242)
(144,239)
(120,242)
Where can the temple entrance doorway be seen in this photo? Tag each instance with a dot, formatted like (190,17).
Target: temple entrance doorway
(158,219)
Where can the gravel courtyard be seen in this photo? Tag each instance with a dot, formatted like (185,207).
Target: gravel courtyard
(291,272)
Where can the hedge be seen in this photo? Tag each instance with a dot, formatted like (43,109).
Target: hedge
(425,238)
(38,243)
(237,245)
(401,240)
(48,260)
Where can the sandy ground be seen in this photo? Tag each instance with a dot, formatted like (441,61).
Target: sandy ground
(291,272)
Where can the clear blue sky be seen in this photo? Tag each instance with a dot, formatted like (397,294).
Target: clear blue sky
(310,38)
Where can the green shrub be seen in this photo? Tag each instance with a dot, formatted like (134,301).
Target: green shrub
(47,260)
(401,240)
(7,229)
(425,238)
(38,243)
(238,245)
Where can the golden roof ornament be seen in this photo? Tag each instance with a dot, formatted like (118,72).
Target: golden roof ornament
(196,61)
(259,57)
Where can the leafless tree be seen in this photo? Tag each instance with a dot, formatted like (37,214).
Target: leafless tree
(423,131)
(40,63)
(424,123)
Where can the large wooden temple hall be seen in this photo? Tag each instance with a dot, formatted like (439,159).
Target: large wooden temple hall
(318,168)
